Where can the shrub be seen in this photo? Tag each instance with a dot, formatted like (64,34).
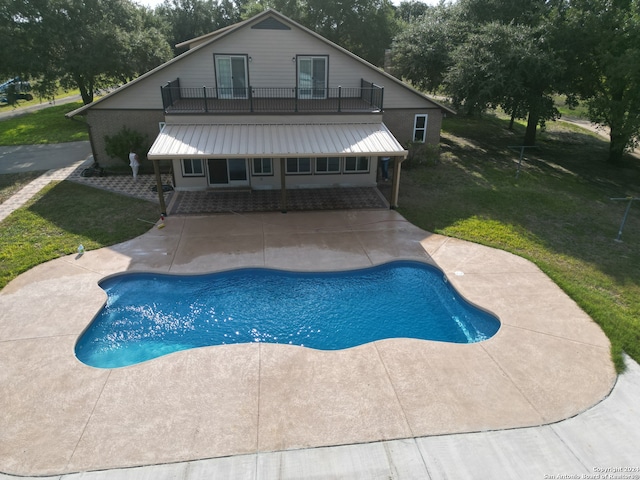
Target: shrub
(421,154)
(119,145)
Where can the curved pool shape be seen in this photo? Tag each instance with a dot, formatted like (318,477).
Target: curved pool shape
(148,315)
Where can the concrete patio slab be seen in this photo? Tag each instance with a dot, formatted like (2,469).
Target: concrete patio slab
(440,396)
(61,416)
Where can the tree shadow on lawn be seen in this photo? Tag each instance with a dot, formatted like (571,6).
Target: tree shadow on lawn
(562,196)
(100,217)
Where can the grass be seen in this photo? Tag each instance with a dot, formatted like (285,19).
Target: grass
(62,216)
(44,126)
(10,183)
(558,213)
(579,111)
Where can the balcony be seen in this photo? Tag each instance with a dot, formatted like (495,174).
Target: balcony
(365,99)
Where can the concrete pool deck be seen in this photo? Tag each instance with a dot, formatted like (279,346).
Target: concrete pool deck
(549,361)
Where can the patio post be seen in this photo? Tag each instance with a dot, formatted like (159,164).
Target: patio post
(395,182)
(283,186)
(156,170)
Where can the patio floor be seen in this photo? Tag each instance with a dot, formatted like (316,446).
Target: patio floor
(549,361)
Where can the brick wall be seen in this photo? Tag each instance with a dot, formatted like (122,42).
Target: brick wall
(400,123)
(110,122)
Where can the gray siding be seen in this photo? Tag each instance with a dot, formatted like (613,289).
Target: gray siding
(272,54)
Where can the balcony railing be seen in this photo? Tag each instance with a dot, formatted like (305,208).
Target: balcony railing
(367,98)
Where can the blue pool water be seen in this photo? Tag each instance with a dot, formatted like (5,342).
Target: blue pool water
(148,315)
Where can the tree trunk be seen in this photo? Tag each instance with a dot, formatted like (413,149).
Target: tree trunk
(86,91)
(616,145)
(532,126)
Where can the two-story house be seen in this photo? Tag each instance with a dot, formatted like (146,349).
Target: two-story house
(268,104)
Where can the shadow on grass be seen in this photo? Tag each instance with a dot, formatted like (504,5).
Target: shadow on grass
(62,216)
(100,217)
(562,196)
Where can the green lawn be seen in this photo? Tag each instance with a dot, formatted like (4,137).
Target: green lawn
(44,126)
(64,215)
(558,214)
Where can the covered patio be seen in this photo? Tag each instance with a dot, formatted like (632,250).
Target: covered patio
(246,201)
(278,143)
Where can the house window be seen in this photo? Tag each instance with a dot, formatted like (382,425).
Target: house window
(231,76)
(328,165)
(262,166)
(420,128)
(192,167)
(356,164)
(312,77)
(298,165)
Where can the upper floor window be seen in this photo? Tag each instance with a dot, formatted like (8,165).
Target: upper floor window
(312,77)
(356,164)
(420,128)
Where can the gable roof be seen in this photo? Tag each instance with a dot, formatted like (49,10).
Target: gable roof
(207,39)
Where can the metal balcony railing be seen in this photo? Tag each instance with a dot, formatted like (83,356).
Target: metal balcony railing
(176,100)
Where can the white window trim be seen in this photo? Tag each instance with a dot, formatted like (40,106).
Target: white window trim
(298,172)
(220,87)
(312,88)
(349,172)
(328,172)
(416,130)
(262,174)
(182,164)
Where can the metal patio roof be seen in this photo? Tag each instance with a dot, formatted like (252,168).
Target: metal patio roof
(274,140)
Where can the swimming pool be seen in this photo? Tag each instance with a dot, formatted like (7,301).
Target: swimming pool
(148,315)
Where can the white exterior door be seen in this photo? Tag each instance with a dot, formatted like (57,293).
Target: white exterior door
(231,76)
(312,77)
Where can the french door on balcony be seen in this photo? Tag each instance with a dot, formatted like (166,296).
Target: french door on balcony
(312,77)
(227,172)
(231,76)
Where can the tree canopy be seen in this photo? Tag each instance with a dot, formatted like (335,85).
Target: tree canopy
(84,44)
(601,40)
(485,53)
(515,54)
(187,19)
